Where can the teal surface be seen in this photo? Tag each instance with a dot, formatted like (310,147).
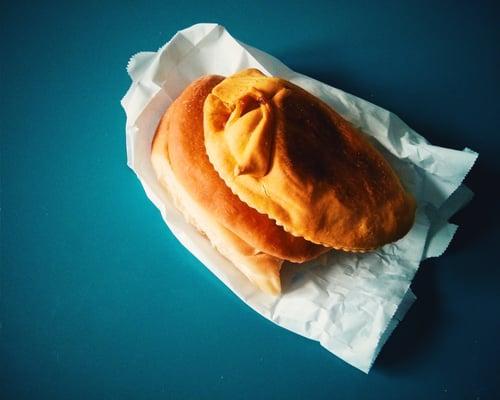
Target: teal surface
(99,301)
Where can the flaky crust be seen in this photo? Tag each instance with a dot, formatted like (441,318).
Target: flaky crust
(290,156)
(179,138)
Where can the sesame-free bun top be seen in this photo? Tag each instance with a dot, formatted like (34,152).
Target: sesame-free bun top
(179,141)
(290,156)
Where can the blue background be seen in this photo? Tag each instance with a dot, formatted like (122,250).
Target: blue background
(99,301)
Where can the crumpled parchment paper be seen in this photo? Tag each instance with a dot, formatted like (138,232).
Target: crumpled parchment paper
(350,303)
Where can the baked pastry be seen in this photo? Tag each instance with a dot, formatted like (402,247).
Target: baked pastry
(290,156)
(252,241)
(269,173)
(261,269)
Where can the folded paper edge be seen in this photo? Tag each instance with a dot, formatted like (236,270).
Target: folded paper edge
(403,308)
(441,232)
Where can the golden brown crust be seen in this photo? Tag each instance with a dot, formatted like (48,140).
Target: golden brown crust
(289,155)
(260,268)
(180,139)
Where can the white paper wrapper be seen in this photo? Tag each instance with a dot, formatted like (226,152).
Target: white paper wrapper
(350,303)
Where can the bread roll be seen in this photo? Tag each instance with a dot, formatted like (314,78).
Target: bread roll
(261,269)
